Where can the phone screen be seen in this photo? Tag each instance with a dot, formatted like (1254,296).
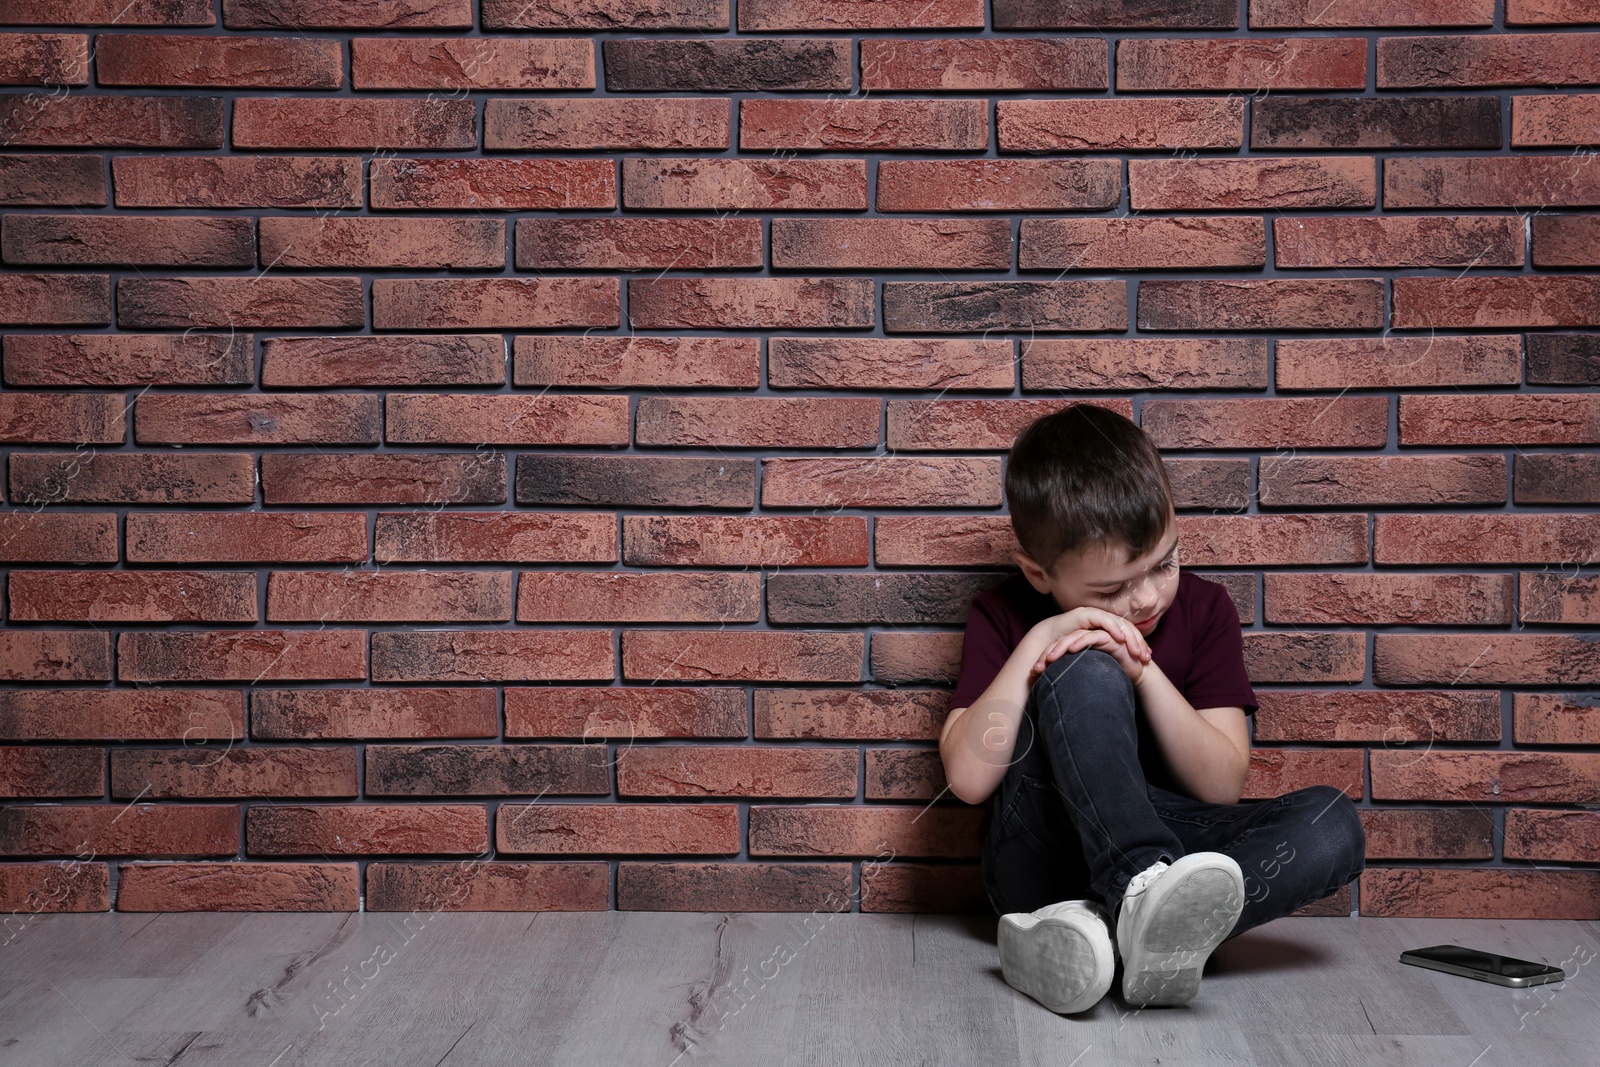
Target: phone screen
(1491,962)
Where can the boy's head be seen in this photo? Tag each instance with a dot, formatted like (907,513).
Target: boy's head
(1092,510)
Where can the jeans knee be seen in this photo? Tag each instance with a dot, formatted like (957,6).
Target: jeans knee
(1085,667)
(1335,821)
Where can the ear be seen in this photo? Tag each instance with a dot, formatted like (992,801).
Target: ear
(1031,570)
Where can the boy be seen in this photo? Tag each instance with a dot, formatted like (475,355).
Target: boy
(1102,703)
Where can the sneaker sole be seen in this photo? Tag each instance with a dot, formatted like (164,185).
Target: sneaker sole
(1191,917)
(1034,958)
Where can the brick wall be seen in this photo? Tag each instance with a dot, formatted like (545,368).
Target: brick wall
(538,453)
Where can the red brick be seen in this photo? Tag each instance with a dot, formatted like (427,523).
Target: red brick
(1565,119)
(103,240)
(905,658)
(1296,123)
(997,184)
(1503,538)
(665,829)
(637,243)
(736,771)
(356,714)
(891,244)
(234,772)
(977,64)
(1360,14)
(1489,893)
(1144,362)
(308,537)
(768,15)
(494,303)
(34,536)
(1492,59)
(943,888)
(56,300)
(750,303)
(1138,14)
(244,302)
(1511,301)
(48,771)
(943,540)
(1222,184)
(1397,362)
(383,243)
(135,478)
(1275,63)
(237,181)
(727,64)
(608,123)
(1269,423)
(191,715)
(1566,241)
(308,362)
(1552,478)
(741,886)
(178,886)
(48,888)
(221,62)
(1548,12)
(963,424)
(1120,124)
(112,121)
(1423,834)
(634,362)
(745,541)
(389,596)
(241,655)
(706,184)
(1262,304)
(395,478)
(474,419)
(904,774)
(758,422)
(1274,772)
(978,306)
(882,481)
(1400,241)
(132,596)
(1555,719)
(1357,481)
(1522,418)
(472,885)
(1192,242)
(839,124)
(1393,718)
(47,180)
(301,122)
(606,14)
(51,418)
(1280,656)
(496,537)
(470,63)
(1549,777)
(1389,599)
(493,184)
(111,12)
(1492,659)
(748,655)
(620,596)
(366,829)
(120,829)
(625,712)
(884,363)
(257,418)
(346,14)
(57,59)
(864,830)
(630,481)
(491,655)
(1491,181)
(1559,836)
(1560,598)
(849,714)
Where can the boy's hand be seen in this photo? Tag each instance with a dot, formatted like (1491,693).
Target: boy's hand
(1088,627)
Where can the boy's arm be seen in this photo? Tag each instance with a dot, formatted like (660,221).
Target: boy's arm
(977,741)
(1208,751)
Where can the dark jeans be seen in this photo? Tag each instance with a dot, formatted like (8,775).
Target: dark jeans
(1075,817)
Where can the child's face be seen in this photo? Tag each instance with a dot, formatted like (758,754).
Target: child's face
(1140,590)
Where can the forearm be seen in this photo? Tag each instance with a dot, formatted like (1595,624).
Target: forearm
(977,747)
(1203,758)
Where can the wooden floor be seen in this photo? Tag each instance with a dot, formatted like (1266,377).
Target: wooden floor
(660,989)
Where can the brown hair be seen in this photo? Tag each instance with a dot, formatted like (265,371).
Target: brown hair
(1082,476)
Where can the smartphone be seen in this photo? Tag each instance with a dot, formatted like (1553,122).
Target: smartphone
(1484,966)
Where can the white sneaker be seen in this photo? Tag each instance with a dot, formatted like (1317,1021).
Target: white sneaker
(1060,955)
(1170,919)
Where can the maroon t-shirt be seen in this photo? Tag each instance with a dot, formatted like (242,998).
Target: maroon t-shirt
(1198,644)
